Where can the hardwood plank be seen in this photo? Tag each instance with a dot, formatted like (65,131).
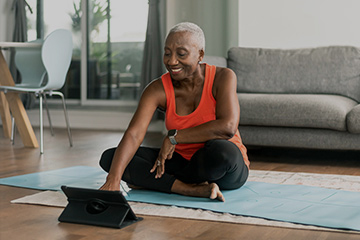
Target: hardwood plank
(5,115)
(20,221)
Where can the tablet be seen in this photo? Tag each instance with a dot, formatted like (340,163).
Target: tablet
(97,207)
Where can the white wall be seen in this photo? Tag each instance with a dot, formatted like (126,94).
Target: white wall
(298,23)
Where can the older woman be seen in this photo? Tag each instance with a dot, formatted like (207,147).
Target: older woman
(202,152)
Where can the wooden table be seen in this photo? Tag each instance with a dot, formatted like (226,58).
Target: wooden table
(11,101)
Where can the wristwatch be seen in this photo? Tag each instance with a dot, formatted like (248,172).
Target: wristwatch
(171,134)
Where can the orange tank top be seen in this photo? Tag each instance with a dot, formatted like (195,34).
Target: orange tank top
(205,112)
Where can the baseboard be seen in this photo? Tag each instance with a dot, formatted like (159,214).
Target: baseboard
(90,119)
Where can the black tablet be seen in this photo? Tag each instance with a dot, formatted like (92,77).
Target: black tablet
(97,207)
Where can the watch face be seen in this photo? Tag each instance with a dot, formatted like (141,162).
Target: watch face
(171,132)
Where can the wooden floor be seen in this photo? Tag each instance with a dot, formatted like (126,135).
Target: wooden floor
(19,221)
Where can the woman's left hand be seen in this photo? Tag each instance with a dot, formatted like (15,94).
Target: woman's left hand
(166,152)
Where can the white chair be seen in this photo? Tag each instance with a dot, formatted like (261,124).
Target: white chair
(44,71)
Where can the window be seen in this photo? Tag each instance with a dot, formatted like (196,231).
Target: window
(116,42)
(115,39)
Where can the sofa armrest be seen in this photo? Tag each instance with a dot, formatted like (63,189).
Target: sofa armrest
(353,120)
(215,60)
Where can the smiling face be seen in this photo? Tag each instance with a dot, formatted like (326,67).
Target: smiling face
(182,55)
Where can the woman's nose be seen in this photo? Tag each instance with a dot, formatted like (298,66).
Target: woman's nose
(172,60)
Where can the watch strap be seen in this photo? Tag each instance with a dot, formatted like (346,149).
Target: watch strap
(171,134)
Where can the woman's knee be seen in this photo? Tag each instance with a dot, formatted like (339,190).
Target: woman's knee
(234,180)
(106,159)
(146,153)
(222,152)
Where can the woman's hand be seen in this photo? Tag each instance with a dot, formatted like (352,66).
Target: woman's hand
(111,185)
(166,152)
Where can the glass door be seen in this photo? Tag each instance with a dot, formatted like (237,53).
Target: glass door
(116,39)
(108,46)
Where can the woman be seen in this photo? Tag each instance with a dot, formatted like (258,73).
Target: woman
(203,152)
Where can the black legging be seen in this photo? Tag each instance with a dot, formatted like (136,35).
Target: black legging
(219,161)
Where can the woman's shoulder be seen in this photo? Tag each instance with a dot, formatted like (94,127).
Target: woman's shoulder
(155,90)
(225,80)
(155,85)
(224,74)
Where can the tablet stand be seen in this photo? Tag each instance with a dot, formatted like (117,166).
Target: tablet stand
(87,206)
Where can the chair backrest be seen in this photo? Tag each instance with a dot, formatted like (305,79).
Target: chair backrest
(56,55)
(29,63)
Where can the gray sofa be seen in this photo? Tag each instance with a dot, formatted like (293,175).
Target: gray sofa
(301,98)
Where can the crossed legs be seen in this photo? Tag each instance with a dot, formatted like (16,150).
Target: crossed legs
(217,166)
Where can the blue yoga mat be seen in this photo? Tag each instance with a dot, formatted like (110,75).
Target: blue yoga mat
(78,176)
(289,203)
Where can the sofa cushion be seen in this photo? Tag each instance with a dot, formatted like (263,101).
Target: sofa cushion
(353,120)
(295,110)
(324,70)
(299,138)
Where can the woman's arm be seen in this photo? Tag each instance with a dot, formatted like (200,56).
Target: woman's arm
(152,97)
(227,112)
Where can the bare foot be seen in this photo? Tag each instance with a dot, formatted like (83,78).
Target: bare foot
(216,193)
(211,190)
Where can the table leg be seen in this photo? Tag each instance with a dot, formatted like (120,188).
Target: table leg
(5,115)
(21,120)
(16,107)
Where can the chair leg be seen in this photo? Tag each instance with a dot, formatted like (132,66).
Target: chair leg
(66,115)
(48,114)
(13,133)
(41,123)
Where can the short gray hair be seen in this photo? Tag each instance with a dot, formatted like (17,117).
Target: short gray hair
(193,29)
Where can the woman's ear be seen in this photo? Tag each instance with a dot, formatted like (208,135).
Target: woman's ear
(201,55)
